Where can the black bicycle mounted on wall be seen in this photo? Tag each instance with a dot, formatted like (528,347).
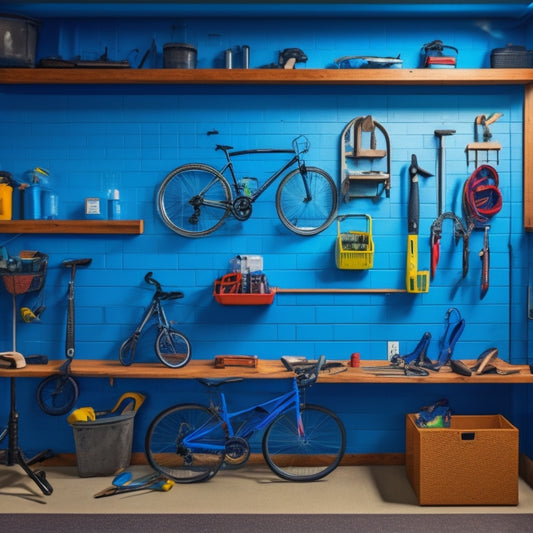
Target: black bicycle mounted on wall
(194,199)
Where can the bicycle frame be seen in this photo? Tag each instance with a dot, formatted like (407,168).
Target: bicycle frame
(269,181)
(273,408)
(155,308)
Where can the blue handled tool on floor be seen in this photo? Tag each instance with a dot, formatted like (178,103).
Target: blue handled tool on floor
(123,483)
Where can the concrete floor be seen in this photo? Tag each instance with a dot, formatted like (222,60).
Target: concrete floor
(251,489)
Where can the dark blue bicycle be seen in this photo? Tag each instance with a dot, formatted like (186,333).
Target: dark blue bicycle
(301,442)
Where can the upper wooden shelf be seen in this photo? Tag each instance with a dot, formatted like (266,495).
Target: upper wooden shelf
(488,76)
(109,227)
(266,369)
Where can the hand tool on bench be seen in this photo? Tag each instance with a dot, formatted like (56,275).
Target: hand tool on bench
(416,281)
(484,254)
(396,371)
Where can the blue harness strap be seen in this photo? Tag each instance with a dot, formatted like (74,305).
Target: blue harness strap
(454,328)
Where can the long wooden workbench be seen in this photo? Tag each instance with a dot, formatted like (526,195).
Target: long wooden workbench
(266,369)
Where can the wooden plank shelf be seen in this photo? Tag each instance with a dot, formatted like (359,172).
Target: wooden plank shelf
(101,227)
(265,369)
(488,76)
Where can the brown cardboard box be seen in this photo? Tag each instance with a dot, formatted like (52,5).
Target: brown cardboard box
(473,462)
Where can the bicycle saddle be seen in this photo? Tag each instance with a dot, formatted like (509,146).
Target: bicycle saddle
(218,381)
(223,147)
(174,295)
(12,360)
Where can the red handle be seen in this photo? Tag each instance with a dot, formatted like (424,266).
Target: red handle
(435,254)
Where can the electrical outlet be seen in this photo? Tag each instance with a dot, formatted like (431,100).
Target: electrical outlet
(393,348)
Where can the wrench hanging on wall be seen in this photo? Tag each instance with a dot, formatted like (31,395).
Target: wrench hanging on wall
(460,232)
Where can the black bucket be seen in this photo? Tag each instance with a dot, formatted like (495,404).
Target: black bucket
(179,55)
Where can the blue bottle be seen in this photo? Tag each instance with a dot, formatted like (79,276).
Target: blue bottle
(49,204)
(32,202)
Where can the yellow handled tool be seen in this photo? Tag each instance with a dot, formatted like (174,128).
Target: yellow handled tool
(415,280)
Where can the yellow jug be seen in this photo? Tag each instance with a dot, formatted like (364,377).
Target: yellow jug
(6,201)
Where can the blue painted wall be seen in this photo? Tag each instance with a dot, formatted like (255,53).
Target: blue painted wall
(94,138)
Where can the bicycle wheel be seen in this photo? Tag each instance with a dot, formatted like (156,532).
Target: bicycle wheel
(126,352)
(172,348)
(57,394)
(194,200)
(306,451)
(186,442)
(301,214)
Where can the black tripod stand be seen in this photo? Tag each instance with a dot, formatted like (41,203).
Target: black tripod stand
(14,455)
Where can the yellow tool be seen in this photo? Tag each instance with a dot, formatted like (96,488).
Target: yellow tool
(129,401)
(415,280)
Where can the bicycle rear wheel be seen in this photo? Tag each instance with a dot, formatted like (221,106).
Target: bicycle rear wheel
(303,213)
(306,451)
(186,442)
(194,200)
(172,348)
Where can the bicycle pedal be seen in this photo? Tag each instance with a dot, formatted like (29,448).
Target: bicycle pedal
(222,361)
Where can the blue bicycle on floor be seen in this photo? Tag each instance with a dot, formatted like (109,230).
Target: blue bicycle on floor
(301,442)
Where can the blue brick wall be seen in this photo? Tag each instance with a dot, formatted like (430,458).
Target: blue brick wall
(93,138)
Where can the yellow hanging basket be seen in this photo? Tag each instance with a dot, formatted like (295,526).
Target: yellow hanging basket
(354,250)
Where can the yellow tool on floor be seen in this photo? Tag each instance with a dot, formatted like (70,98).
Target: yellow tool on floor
(129,401)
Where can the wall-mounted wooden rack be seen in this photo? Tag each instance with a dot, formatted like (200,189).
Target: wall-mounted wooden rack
(489,76)
(88,227)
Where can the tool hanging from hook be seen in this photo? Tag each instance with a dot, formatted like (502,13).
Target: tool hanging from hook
(486,145)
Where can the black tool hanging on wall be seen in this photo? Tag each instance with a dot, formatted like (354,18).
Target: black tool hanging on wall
(460,231)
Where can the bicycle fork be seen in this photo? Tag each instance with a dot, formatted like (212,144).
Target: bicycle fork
(303,172)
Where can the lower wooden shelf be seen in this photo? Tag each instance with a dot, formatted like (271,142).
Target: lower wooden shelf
(102,227)
(266,369)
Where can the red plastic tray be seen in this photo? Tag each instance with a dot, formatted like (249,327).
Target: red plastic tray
(245,299)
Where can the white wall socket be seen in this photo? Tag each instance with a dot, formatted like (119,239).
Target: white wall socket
(393,348)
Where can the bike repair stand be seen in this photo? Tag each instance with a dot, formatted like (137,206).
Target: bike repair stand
(14,455)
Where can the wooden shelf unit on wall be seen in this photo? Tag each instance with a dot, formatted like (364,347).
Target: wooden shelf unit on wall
(88,227)
(397,77)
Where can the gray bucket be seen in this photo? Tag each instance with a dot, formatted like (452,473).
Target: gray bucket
(179,55)
(103,446)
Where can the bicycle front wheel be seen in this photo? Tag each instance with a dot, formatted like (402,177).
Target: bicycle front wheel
(57,394)
(194,200)
(307,204)
(305,450)
(172,348)
(127,349)
(186,442)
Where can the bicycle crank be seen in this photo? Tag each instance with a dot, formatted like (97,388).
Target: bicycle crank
(237,451)
(242,208)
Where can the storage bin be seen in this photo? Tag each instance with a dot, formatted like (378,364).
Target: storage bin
(473,462)
(103,446)
(179,55)
(18,41)
(354,250)
(511,56)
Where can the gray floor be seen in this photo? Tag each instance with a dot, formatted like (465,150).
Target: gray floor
(251,489)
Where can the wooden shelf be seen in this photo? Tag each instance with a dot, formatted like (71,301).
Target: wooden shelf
(89,227)
(488,76)
(266,369)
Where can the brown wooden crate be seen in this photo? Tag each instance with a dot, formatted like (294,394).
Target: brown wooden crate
(474,462)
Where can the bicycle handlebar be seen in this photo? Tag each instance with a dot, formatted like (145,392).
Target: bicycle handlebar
(306,372)
(160,293)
